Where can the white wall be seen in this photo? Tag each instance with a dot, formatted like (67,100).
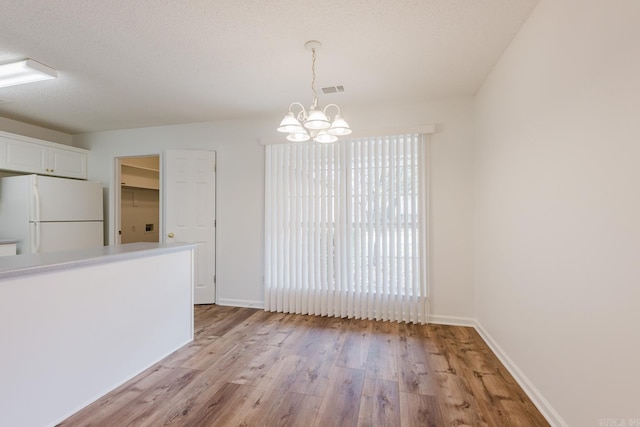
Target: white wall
(33,131)
(240,168)
(240,202)
(558,207)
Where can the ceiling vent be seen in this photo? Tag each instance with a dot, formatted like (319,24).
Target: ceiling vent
(332,89)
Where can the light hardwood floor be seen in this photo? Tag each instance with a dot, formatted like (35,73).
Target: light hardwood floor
(252,368)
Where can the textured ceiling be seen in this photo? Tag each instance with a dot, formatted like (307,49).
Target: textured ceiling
(133,63)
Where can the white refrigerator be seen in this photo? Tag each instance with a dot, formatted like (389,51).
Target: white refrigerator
(48,214)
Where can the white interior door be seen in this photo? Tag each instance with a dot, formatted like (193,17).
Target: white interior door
(189,212)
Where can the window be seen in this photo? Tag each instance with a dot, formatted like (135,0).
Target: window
(345,228)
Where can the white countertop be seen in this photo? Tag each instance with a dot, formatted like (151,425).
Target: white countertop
(8,241)
(20,265)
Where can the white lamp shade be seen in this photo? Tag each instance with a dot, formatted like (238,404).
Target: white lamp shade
(325,138)
(290,124)
(298,137)
(26,71)
(317,120)
(339,127)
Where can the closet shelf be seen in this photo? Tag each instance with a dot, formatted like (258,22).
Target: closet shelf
(137,186)
(139,177)
(139,167)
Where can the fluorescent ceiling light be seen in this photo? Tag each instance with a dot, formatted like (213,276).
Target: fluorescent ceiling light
(26,71)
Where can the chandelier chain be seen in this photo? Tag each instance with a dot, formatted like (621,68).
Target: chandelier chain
(313,78)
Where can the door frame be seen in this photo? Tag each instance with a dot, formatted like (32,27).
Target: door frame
(117,196)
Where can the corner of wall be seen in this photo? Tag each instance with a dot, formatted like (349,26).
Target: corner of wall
(534,394)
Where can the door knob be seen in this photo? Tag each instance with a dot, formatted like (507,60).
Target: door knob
(170,235)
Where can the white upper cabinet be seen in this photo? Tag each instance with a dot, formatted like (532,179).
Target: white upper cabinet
(23,154)
(69,163)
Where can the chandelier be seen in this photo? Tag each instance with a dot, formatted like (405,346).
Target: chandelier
(314,124)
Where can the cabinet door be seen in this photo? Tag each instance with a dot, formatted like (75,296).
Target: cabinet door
(25,156)
(67,163)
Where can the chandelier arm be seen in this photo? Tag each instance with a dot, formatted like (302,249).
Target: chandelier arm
(302,114)
(294,104)
(331,105)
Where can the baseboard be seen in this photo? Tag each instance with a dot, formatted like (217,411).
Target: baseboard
(545,408)
(452,320)
(534,394)
(240,303)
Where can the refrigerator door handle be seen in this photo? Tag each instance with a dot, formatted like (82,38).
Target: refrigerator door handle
(36,237)
(36,195)
(36,217)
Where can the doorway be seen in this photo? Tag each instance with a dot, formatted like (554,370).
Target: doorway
(139,196)
(170,198)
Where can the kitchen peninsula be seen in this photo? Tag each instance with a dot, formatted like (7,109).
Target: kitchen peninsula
(75,325)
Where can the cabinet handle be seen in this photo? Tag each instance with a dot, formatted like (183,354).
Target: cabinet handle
(170,235)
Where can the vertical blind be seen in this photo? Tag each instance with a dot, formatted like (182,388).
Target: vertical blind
(345,228)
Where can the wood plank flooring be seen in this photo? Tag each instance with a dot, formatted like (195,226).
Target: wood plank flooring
(248,367)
